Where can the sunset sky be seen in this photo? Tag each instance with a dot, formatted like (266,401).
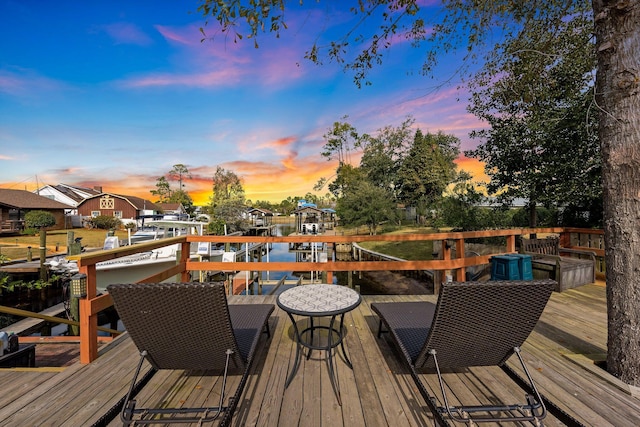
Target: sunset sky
(114,93)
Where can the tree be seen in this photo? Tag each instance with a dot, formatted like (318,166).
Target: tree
(162,191)
(617,28)
(472,25)
(182,197)
(226,186)
(346,177)
(542,141)
(228,199)
(341,140)
(428,168)
(366,204)
(41,220)
(382,155)
(179,172)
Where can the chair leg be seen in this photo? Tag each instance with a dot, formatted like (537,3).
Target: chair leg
(380,330)
(533,411)
(267,329)
(128,409)
(208,413)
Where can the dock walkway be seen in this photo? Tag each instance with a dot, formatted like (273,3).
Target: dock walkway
(570,335)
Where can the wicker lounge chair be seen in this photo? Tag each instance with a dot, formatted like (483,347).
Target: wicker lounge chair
(472,324)
(188,326)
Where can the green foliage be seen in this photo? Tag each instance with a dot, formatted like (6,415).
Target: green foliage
(542,141)
(29,231)
(162,191)
(227,188)
(546,217)
(341,139)
(383,155)
(216,227)
(165,194)
(184,199)
(39,219)
(366,204)
(8,285)
(228,202)
(178,173)
(105,222)
(428,168)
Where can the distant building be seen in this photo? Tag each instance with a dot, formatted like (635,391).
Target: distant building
(126,208)
(176,210)
(260,217)
(67,194)
(14,204)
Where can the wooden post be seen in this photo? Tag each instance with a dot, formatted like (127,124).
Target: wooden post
(69,241)
(43,253)
(460,272)
(74,309)
(88,319)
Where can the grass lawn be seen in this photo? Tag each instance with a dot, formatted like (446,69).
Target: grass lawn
(410,250)
(15,247)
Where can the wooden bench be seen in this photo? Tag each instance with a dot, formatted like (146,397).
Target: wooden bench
(570,268)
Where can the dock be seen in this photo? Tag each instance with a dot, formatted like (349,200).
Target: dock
(561,353)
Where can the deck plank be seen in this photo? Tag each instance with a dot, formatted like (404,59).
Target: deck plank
(377,392)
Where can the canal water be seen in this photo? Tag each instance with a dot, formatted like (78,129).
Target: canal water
(363,283)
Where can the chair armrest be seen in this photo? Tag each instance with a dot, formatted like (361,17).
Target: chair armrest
(590,254)
(536,255)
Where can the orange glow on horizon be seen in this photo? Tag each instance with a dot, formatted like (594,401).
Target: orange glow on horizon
(267,182)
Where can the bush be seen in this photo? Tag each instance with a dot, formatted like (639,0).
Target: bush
(29,231)
(39,219)
(105,222)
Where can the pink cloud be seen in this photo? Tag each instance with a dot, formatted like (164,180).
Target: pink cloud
(127,33)
(222,77)
(25,82)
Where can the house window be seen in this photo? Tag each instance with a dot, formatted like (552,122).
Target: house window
(107,202)
(95,214)
(117,214)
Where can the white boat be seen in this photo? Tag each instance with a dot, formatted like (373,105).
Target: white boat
(133,268)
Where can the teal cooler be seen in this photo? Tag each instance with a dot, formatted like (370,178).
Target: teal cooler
(505,267)
(525,266)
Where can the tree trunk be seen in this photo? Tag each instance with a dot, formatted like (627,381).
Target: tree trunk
(617,28)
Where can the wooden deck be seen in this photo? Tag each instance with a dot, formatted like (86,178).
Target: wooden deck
(377,392)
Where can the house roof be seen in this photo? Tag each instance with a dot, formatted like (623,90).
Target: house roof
(22,199)
(171,206)
(80,190)
(260,210)
(137,202)
(307,209)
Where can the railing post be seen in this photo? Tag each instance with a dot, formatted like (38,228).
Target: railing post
(185,252)
(460,272)
(88,319)
(511,243)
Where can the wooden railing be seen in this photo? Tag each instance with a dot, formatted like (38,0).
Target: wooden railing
(93,304)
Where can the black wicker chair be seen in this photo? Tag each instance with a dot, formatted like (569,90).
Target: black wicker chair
(472,324)
(188,326)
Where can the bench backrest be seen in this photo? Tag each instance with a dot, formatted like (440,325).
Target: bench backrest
(548,246)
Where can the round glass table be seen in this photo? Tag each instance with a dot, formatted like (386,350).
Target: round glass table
(319,300)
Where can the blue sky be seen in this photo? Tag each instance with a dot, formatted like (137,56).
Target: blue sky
(114,93)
